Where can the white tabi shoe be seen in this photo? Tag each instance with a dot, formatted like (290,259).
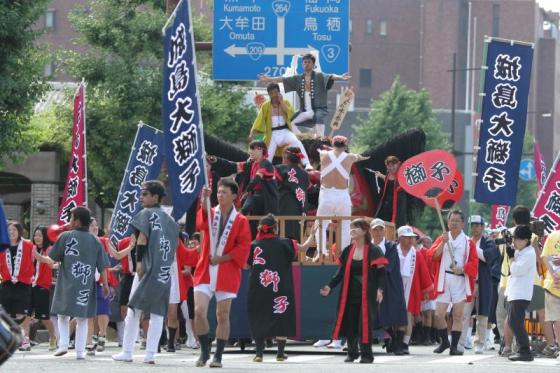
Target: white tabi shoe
(321,343)
(123,356)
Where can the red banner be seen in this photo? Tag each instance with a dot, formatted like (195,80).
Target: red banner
(499,216)
(75,190)
(540,167)
(427,174)
(547,207)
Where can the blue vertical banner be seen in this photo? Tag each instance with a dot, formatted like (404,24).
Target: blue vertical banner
(503,120)
(182,121)
(144,163)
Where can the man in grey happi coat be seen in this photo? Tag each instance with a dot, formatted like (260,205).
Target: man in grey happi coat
(80,253)
(311,88)
(157,236)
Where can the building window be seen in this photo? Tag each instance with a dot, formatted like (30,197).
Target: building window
(49,19)
(48,69)
(496,20)
(383,28)
(369,26)
(365,78)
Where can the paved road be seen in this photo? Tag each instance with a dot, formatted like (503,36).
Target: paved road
(303,359)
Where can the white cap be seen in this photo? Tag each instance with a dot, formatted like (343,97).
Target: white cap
(406,231)
(377,223)
(476,219)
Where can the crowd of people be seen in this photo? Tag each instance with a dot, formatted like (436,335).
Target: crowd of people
(403,293)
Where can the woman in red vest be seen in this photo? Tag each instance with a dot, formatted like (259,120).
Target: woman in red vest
(41,295)
(16,270)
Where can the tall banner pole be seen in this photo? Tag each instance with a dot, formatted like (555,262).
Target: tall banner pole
(85,180)
(144,163)
(503,120)
(182,118)
(75,189)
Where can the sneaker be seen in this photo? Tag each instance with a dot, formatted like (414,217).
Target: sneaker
(258,359)
(123,356)
(192,343)
(479,349)
(72,345)
(81,355)
(335,344)
(321,343)
(52,344)
(100,344)
(25,345)
(550,352)
(60,352)
(469,343)
(489,345)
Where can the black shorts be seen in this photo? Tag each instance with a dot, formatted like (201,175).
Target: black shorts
(126,286)
(15,298)
(40,303)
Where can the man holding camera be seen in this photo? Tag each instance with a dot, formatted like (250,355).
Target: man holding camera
(521,216)
(520,289)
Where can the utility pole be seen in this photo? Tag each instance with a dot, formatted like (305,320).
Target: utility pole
(454,72)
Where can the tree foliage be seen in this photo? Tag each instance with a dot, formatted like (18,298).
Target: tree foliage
(123,69)
(21,72)
(398,110)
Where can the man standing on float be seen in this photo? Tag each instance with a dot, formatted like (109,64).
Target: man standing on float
(311,88)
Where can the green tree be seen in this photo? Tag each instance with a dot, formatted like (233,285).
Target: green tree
(123,70)
(21,69)
(396,111)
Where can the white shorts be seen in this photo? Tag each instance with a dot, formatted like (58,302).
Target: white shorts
(174,296)
(428,305)
(454,290)
(220,295)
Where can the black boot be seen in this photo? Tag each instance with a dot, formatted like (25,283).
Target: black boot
(389,341)
(426,330)
(281,355)
(204,342)
(217,360)
(259,349)
(352,353)
(415,336)
(366,354)
(444,342)
(455,336)
(171,339)
(434,335)
(397,343)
